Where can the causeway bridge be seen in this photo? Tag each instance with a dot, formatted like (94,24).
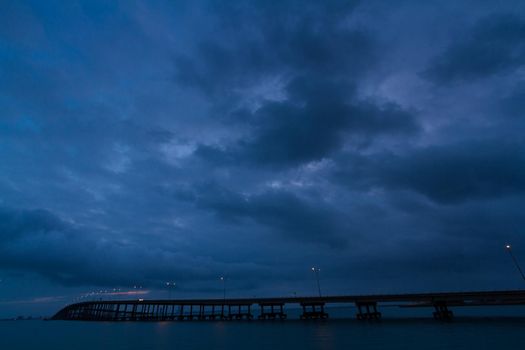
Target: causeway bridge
(367,306)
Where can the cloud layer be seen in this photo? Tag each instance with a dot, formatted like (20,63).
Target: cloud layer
(181,141)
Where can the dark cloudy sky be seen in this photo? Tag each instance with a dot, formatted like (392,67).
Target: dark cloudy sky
(151,141)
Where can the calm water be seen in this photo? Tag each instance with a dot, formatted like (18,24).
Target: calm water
(333,334)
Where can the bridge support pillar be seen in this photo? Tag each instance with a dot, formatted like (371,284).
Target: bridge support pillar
(272,312)
(209,312)
(190,316)
(216,313)
(117,315)
(201,313)
(239,312)
(223,315)
(133,316)
(180,317)
(367,311)
(442,312)
(314,310)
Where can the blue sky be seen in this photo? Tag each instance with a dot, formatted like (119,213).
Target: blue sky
(151,141)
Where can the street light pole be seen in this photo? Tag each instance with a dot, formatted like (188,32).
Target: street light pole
(223,287)
(316,271)
(170,286)
(509,249)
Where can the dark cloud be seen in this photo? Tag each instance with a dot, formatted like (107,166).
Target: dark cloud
(513,105)
(28,236)
(316,55)
(461,172)
(17,223)
(276,39)
(445,174)
(314,122)
(38,241)
(281,212)
(495,44)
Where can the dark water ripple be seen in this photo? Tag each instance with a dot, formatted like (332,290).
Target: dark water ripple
(467,333)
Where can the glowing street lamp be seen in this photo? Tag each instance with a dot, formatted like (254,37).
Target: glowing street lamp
(316,271)
(223,287)
(509,249)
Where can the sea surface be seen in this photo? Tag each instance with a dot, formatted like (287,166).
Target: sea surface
(406,334)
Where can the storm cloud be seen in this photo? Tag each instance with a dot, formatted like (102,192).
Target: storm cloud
(313,123)
(445,174)
(494,44)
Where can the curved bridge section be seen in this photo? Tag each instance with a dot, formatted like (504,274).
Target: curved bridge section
(367,306)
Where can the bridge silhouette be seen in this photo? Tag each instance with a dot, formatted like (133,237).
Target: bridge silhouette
(367,306)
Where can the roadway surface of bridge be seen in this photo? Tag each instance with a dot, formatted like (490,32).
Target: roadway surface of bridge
(367,306)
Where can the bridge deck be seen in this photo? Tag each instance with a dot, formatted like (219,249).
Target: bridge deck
(313,307)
